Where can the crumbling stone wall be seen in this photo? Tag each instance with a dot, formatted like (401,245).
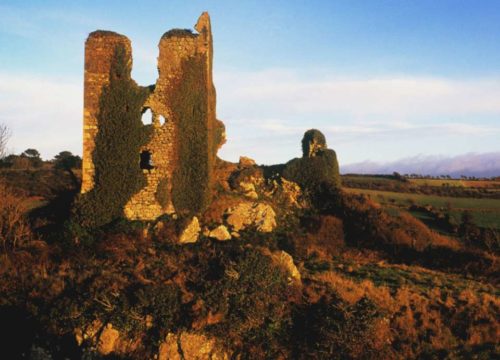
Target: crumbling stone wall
(100,48)
(183,148)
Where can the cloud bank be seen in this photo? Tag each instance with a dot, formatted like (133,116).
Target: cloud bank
(479,165)
(266,113)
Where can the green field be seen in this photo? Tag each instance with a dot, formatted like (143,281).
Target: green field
(486,212)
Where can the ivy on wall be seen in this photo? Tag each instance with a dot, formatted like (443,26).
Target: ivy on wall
(121,134)
(189,102)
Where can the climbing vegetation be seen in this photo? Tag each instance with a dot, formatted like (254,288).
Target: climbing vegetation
(190,190)
(117,146)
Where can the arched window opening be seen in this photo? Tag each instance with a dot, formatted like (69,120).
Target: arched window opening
(147,117)
(162,120)
(146,162)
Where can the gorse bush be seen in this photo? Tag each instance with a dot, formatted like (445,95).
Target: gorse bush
(334,329)
(117,147)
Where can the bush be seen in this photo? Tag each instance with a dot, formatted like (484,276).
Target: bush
(252,295)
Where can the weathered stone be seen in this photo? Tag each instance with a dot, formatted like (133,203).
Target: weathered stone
(169,349)
(190,346)
(220,233)
(292,193)
(248,190)
(107,340)
(259,215)
(191,232)
(246,162)
(285,260)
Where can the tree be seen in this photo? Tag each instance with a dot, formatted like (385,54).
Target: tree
(33,156)
(66,161)
(31,153)
(4,138)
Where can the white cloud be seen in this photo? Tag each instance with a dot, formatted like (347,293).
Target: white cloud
(364,113)
(398,97)
(42,113)
(267,112)
(487,165)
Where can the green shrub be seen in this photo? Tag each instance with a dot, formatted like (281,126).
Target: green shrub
(117,146)
(253,295)
(334,329)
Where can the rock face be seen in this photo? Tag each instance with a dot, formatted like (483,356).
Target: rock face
(258,215)
(166,161)
(191,232)
(190,346)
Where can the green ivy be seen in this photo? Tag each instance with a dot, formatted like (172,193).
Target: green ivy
(191,178)
(310,172)
(117,146)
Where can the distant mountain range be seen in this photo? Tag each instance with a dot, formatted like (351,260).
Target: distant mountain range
(471,164)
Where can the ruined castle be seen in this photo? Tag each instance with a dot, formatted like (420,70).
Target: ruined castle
(173,161)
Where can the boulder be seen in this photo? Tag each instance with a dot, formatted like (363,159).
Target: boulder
(190,346)
(246,162)
(220,233)
(107,340)
(245,214)
(191,232)
(285,261)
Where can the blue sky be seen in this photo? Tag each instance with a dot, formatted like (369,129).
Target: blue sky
(383,80)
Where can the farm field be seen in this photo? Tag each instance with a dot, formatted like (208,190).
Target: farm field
(486,212)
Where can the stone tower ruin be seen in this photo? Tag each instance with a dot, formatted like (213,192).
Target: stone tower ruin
(174,163)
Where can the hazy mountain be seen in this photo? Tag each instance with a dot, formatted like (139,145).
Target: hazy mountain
(471,164)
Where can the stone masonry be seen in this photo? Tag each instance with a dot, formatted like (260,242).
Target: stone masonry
(175,47)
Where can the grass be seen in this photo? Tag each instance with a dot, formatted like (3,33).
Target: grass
(486,212)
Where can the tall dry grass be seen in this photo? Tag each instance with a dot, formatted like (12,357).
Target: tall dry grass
(14,227)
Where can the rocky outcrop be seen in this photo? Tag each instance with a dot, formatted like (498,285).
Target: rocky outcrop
(190,346)
(252,214)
